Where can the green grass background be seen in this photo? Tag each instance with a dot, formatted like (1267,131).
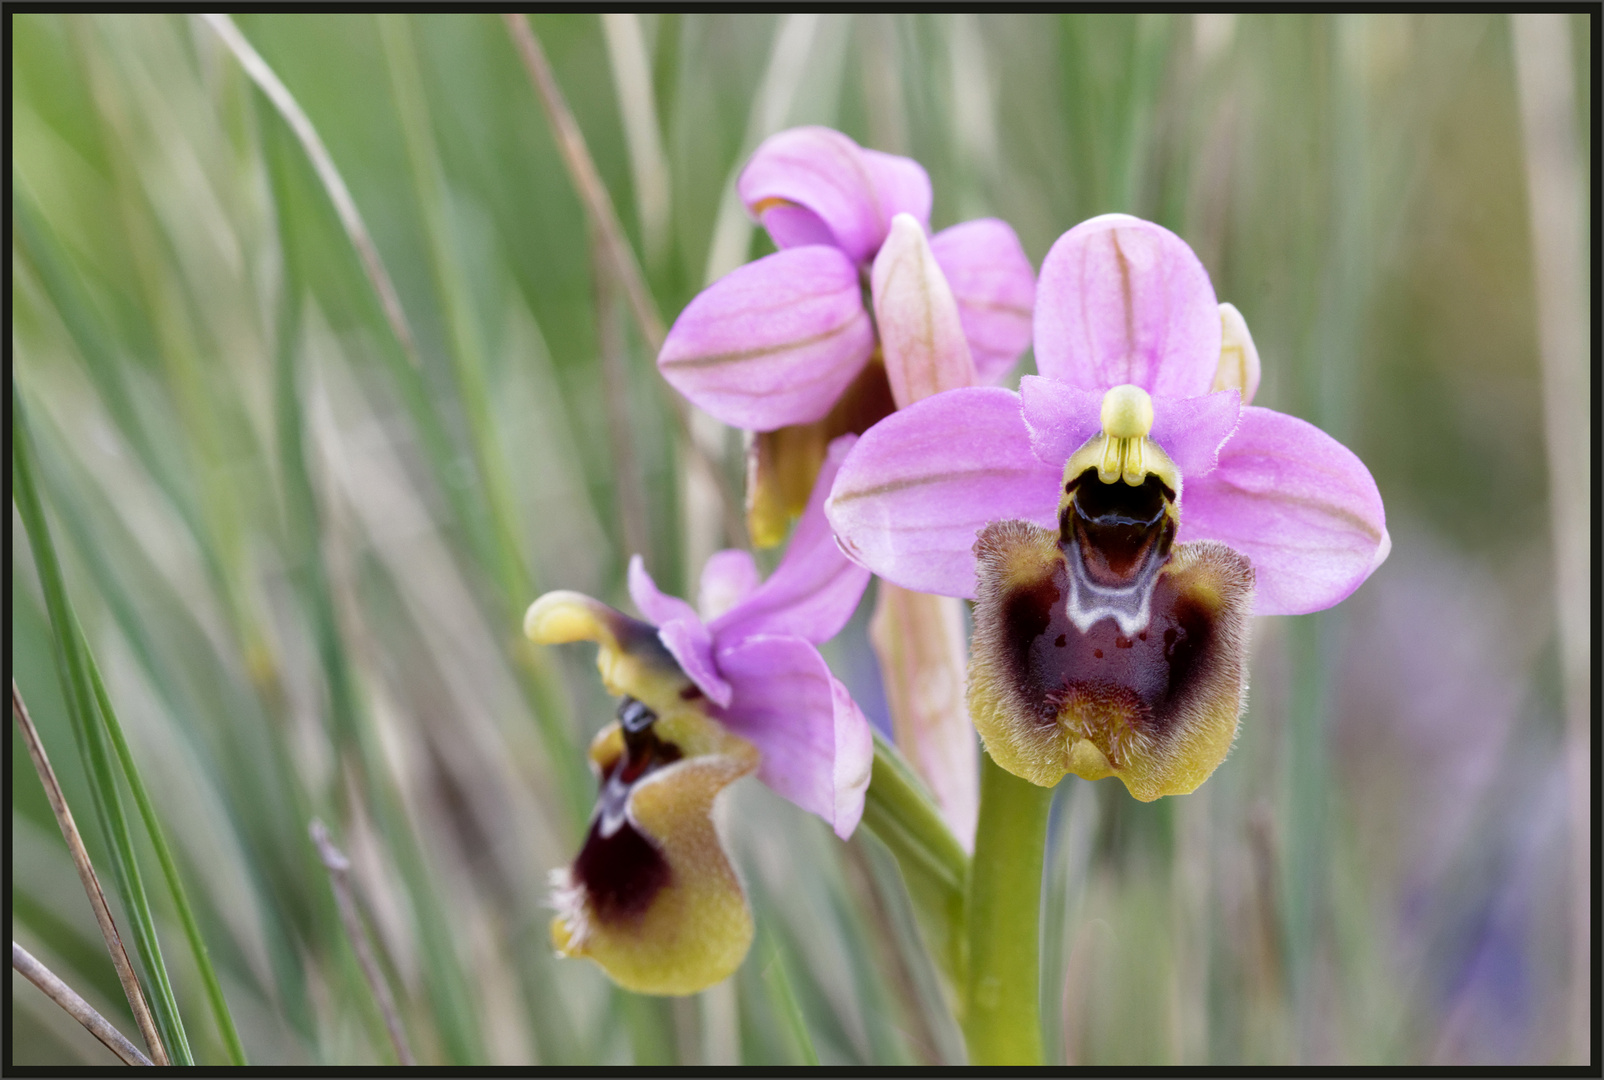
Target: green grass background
(300,558)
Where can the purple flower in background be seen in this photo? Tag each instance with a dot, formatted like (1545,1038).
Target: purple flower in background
(1118,519)
(787,345)
(708,695)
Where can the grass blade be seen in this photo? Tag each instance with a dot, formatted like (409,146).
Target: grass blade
(582,170)
(164,855)
(72,670)
(245,765)
(333,183)
(632,78)
(467,342)
(37,243)
(353,736)
(495,541)
(1545,89)
(626,270)
(777,978)
(401,352)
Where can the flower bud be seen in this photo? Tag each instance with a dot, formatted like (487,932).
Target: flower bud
(921,336)
(919,641)
(1239,359)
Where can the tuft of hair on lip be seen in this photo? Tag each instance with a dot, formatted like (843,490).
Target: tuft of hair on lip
(567,899)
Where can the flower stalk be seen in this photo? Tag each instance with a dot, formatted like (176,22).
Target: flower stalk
(1002,1010)
(900,812)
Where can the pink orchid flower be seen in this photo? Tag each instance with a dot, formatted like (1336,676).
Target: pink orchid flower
(1135,485)
(790,340)
(709,695)
(776,341)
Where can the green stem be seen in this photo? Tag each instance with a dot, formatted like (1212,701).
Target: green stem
(1002,1013)
(900,812)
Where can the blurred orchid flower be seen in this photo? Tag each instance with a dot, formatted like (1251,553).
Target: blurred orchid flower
(1111,628)
(708,696)
(786,346)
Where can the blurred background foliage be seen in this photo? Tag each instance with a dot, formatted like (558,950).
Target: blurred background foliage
(300,549)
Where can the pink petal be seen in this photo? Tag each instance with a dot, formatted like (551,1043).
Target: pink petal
(995,288)
(1122,300)
(921,336)
(920,484)
(1192,430)
(728,577)
(691,645)
(680,630)
(790,225)
(901,186)
(825,173)
(774,342)
(1297,503)
(1059,417)
(815,589)
(657,606)
(816,745)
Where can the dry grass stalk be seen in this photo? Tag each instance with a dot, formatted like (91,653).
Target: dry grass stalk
(75,1006)
(91,883)
(339,868)
(1554,183)
(610,241)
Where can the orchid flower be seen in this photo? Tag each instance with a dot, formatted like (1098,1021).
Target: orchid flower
(1118,519)
(786,346)
(708,696)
